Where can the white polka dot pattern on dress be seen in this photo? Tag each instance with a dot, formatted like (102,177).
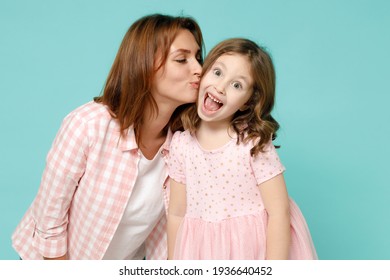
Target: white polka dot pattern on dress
(221,183)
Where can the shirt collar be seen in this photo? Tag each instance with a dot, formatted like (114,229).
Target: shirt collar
(129,143)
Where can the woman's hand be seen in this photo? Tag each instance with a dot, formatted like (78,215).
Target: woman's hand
(64,257)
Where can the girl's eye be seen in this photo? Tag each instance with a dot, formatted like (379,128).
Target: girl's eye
(184,60)
(217,72)
(237,85)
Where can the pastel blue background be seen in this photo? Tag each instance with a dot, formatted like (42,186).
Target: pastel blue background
(332,61)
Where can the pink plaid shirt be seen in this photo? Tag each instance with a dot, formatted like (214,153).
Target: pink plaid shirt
(87,182)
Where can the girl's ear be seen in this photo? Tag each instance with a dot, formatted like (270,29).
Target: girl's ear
(244,108)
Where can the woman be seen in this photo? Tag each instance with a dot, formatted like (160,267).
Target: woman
(102,194)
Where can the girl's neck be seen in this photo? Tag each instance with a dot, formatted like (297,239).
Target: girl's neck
(213,135)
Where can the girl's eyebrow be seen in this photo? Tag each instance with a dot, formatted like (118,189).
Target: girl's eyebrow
(220,63)
(243,78)
(223,65)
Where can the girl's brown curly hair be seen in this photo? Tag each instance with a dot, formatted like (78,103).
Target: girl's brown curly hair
(256,122)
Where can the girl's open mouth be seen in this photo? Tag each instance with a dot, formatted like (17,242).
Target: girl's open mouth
(211,103)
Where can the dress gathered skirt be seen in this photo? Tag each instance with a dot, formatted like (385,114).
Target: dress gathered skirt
(239,238)
(225,214)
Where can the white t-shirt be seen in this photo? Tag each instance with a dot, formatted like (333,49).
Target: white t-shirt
(144,209)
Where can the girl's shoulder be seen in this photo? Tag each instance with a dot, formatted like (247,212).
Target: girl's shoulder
(182,136)
(248,144)
(181,140)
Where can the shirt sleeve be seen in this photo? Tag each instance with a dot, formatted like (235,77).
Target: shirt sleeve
(176,163)
(266,165)
(65,165)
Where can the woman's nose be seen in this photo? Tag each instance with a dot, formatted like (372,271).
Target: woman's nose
(197,68)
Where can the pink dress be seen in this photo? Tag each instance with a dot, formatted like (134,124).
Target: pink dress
(225,217)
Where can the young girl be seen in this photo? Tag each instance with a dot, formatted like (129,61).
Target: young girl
(228,198)
(103,191)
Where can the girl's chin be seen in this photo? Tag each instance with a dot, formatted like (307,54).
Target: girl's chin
(202,111)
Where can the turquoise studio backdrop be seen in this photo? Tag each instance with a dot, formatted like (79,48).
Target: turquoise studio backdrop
(333,93)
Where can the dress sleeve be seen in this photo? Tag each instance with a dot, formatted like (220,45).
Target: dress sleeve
(65,165)
(176,163)
(266,165)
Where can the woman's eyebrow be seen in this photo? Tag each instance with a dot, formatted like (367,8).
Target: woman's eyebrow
(184,51)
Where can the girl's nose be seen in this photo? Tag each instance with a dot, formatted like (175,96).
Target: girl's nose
(220,87)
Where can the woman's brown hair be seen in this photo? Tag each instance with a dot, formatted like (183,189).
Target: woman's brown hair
(128,86)
(256,122)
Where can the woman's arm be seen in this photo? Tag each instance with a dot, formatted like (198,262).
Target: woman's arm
(65,165)
(276,202)
(176,211)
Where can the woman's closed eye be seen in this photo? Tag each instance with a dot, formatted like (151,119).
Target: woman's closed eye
(181,60)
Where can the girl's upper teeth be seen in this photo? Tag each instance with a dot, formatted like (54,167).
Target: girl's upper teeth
(214,99)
